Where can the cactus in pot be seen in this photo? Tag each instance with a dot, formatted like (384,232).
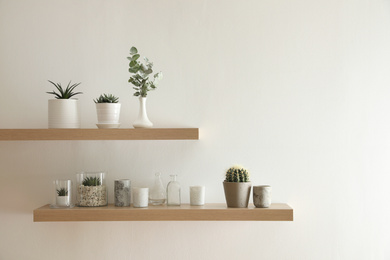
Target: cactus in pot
(237,187)
(237,174)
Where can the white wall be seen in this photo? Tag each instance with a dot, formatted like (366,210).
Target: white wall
(296,91)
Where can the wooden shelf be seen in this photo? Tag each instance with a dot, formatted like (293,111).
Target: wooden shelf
(209,212)
(99,134)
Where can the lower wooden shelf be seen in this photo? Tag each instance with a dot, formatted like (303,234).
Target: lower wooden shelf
(185,212)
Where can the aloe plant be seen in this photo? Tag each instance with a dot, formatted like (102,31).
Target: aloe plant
(64,94)
(237,174)
(142,71)
(92,181)
(62,192)
(106,98)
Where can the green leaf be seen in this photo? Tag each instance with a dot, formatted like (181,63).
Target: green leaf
(133,50)
(137,94)
(135,57)
(133,70)
(133,63)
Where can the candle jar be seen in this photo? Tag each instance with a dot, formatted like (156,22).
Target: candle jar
(140,197)
(197,194)
(62,194)
(91,189)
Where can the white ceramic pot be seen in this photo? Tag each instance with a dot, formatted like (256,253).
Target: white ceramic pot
(63,201)
(142,120)
(108,113)
(63,113)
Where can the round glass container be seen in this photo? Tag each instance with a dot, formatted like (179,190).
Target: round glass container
(91,189)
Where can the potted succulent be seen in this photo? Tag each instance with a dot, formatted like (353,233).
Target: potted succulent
(108,111)
(62,194)
(237,187)
(91,189)
(142,84)
(62,198)
(63,110)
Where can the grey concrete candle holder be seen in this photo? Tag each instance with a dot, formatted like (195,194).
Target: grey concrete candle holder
(262,196)
(122,193)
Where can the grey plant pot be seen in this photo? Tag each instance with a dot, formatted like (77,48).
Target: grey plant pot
(237,194)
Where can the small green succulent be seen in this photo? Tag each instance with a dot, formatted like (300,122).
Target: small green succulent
(62,192)
(64,94)
(91,181)
(237,174)
(106,98)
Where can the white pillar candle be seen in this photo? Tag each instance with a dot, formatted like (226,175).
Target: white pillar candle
(197,194)
(140,197)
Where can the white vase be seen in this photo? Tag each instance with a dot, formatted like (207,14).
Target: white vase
(63,113)
(142,120)
(108,113)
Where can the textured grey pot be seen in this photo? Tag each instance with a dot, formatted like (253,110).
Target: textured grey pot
(122,193)
(262,196)
(237,194)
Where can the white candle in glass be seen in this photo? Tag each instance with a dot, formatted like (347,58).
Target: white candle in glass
(140,197)
(197,194)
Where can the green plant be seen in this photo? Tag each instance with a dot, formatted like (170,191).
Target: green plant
(62,192)
(237,174)
(64,94)
(140,79)
(91,181)
(106,98)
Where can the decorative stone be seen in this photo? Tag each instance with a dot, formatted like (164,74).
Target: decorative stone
(262,196)
(92,196)
(122,193)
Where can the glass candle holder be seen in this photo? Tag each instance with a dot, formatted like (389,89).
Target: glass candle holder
(62,194)
(91,189)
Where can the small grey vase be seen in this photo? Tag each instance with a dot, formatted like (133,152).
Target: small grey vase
(237,194)
(262,196)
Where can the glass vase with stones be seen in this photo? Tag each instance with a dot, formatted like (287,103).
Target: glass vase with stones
(62,194)
(91,189)
(157,192)
(173,192)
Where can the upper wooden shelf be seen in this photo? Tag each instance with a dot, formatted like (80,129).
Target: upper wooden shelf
(185,212)
(100,134)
